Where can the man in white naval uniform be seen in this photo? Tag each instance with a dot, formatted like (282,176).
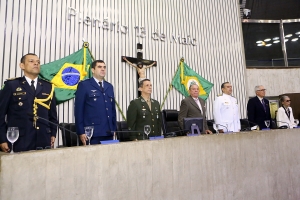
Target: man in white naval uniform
(226,111)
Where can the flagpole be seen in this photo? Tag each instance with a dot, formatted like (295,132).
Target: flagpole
(170,86)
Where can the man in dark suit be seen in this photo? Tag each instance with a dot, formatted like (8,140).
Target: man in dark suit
(258,108)
(95,106)
(193,106)
(144,111)
(28,95)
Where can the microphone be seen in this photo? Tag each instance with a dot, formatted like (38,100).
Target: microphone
(173,133)
(253,123)
(222,126)
(57,125)
(283,127)
(115,137)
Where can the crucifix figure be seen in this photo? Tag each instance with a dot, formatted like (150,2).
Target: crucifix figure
(138,64)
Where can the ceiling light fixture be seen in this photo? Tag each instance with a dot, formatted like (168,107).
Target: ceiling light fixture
(277,41)
(259,45)
(286,40)
(289,35)
(294,39)
(267,40)
(276,38)
(267,45)
(257,42)
(298,33)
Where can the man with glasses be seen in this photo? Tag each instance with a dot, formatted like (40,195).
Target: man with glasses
(193,106)
(258,108)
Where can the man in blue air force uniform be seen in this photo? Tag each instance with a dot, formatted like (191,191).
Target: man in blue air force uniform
(95,106)
(28,95)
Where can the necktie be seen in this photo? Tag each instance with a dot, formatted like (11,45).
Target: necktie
(198,103)
(149,103)
(263,103)
(101,88)
(32,86)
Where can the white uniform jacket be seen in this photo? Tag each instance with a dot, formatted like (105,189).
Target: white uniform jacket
(226,113)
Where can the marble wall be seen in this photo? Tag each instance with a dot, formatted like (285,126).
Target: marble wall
(276,81)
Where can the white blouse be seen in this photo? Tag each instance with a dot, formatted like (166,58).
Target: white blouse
(283,119)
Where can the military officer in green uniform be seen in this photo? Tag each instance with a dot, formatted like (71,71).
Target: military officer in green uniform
(144,111)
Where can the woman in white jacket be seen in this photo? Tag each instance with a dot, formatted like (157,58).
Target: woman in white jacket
(285,115)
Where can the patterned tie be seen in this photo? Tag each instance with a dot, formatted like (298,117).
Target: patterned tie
(32,86)
(264,105)
(101,88)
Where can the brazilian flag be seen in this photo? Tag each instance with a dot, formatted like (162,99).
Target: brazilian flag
(185,76)
(66,73)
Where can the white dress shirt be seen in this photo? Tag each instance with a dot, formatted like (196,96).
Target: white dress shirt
(198,103)
(29,81)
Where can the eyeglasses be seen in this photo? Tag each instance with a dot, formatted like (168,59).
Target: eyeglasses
(262,90)
(288,100)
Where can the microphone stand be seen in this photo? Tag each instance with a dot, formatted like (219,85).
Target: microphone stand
(116,135)
(222,126)
(250,122)
(284,123)
(173,133)
(57,125)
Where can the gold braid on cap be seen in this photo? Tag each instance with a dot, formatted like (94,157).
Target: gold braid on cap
(41,102)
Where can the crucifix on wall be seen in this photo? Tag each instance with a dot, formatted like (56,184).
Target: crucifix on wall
(139,63)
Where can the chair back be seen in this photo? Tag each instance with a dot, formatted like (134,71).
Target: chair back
(69,139)
(122,136)
(170,124)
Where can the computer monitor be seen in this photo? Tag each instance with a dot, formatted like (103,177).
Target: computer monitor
(188,122)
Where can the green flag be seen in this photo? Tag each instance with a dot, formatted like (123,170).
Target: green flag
(185,76)
(66,73)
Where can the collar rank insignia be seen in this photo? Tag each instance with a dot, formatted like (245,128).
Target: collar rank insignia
(19,89)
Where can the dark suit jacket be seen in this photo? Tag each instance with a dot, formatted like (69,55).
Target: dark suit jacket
(256,112)
(94,107)
(139,115)
(16,102)
(189,108)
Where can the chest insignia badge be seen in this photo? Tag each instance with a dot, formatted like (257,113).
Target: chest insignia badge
(19,89)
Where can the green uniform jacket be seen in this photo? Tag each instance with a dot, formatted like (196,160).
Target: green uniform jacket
(139,115)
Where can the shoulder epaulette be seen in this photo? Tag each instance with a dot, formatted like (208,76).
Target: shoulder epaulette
(84,80)
(45,80)
(11,79)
